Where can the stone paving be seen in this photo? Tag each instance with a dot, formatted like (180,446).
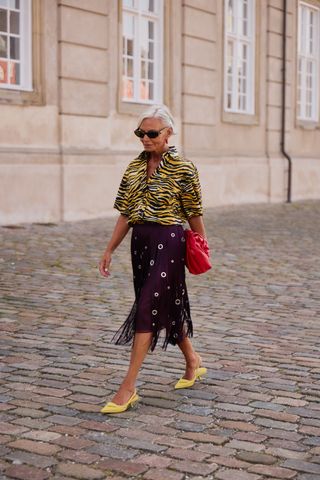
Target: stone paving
(257,325)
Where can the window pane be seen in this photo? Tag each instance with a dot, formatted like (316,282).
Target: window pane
(244,103)
(230,58)
(309,66)
(14,4)
(230,16)
(14,23)
(3,21)
(311,32)
(229,100)
(3,3)
(128,25)
(127,88)
(3,46)
(244,85)
(150,71)
(14,73)
(130,68)
(245,28)
(151,51)
(309,111)
(130,47)
(244,52)
(245,18)
(143,69)
(144,91)
(14,48)
(3,71)
(147,5)
(302,28)
(151,91)
(128,3)
(151,30)
(128,52)
(245,10)
(239,90)
(144,46)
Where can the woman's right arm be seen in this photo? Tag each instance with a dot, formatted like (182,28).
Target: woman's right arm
(120,231)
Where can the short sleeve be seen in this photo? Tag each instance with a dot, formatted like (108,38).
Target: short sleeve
(191,198)
(121,202)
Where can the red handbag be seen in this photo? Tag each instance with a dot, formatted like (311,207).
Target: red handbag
(197,253)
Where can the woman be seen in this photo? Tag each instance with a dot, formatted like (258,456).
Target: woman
(159,191)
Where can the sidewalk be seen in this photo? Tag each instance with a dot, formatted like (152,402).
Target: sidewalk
(257,326)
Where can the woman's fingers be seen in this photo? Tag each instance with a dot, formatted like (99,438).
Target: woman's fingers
(104,267)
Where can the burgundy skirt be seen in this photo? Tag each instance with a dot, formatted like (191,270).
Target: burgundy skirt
(161,298)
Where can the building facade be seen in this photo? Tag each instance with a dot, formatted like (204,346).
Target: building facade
(75,75)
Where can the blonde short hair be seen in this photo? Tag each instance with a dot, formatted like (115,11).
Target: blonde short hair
(158,111)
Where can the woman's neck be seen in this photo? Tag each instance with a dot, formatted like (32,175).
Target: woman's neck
(156,157)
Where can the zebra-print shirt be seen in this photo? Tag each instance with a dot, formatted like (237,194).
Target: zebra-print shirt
(170,196)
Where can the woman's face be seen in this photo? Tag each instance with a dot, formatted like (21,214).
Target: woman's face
(160,143)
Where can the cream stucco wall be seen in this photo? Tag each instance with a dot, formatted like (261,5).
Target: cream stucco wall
(62,157)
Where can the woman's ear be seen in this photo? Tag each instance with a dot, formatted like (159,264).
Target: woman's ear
(169,132)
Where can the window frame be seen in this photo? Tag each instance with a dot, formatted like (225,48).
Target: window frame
(25,60)
(248,115)
(314,119)
(35,96)
(159,18)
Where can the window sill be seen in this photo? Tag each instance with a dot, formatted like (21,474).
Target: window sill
(240,118)
(307,124)
(20,97)
(133,108)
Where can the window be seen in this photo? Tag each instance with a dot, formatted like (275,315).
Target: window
(15,44)
(308,63)
(142,46)
(239,56)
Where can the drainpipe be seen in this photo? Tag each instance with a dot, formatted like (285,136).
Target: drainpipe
(283,107)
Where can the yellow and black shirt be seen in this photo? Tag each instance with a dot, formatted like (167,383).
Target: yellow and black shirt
(171,195)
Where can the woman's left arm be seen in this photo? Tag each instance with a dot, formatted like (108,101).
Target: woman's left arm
(197,225)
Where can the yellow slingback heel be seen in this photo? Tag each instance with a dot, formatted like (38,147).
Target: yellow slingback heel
(111,407)
(184,383)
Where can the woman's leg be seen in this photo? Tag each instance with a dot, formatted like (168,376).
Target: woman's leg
(139,350)
(193,359)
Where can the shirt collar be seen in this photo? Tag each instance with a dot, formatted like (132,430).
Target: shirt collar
(171,153)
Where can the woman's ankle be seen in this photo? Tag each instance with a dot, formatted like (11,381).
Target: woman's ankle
(128,385)
(194,361)
(123,394)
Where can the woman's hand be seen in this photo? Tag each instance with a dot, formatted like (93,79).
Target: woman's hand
(105,264)
(120,231)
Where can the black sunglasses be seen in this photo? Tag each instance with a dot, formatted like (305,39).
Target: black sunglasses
(151,133)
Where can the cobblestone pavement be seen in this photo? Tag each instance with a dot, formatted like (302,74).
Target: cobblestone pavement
(256,318)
